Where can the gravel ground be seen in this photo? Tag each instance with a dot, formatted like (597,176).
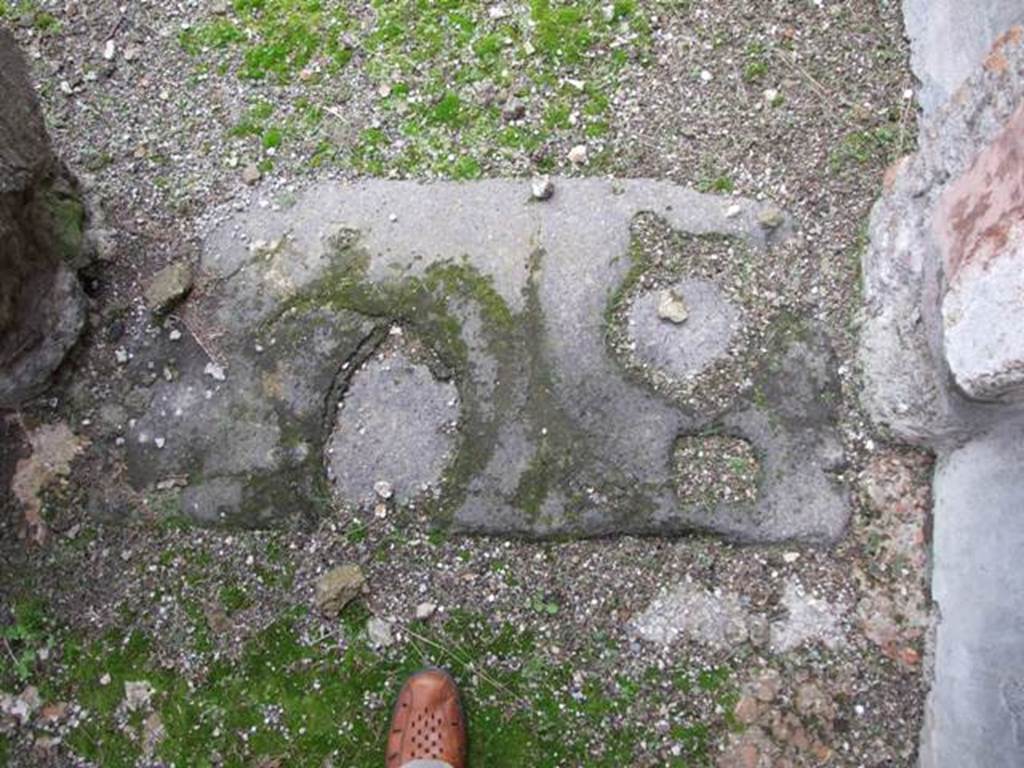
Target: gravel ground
(803,104)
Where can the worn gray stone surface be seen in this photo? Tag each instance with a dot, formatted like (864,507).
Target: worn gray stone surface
(908,387)
(691,611)
(247,445)
(975,715)
(506,299)
(723,619)
(950,39)
(683,349)
(396,425)
(983,319)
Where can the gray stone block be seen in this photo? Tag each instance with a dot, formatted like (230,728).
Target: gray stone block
(516,416)
(949,40)
(975,716)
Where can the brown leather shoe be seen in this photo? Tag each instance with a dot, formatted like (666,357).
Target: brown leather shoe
(427,723)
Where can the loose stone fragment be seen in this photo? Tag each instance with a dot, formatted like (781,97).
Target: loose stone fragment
(542,188)
(215,372)
(169,286)
(771,218)
(578,155)
(22,706)
(137,694)
(338,587)
(672,307)
(251,174)
(378,631)
(513,110)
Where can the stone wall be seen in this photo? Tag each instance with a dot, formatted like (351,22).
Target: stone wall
(942,352)
(42,308)
(949,40)
(938,345)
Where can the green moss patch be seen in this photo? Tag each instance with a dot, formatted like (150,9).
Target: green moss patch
(276,38)
(288,698)
(453,80)
(68,215)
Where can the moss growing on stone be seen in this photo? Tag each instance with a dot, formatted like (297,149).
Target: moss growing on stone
(67,214)
(423,304)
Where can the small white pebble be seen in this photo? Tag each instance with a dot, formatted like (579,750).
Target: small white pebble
(578,155)
(215,371)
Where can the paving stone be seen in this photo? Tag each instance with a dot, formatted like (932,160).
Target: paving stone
(510,414)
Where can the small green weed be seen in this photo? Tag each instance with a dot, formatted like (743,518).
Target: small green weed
(720,184)
(27,638)
(879,145)
(756,67)
(541,604)
(42,21)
